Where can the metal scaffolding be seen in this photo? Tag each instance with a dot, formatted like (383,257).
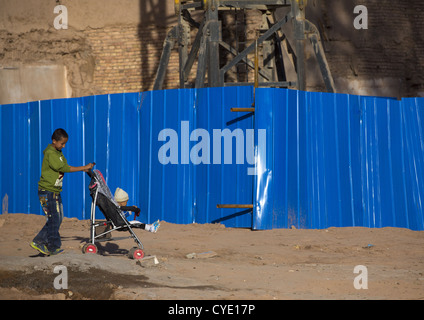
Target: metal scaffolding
(270,38)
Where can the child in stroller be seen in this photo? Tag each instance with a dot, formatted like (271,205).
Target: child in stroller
(121,197)
(115,217)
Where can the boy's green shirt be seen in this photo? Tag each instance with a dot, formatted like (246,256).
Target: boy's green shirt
(53,169)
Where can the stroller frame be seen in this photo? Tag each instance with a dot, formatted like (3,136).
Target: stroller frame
(90,247)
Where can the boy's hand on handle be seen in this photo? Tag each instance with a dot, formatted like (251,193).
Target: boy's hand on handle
(89,166)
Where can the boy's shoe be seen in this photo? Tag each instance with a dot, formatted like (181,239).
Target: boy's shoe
(40,247)
(155,226)
(55,252)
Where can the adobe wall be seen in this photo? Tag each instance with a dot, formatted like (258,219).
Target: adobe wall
(386,59)
(113,46)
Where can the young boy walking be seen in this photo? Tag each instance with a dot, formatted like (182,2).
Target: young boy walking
(53,169)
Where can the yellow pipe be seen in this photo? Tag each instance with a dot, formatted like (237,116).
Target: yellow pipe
(242,109)
(223,206)
(302,4)
(177,6)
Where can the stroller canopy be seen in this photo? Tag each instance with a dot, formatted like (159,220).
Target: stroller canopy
(98,180)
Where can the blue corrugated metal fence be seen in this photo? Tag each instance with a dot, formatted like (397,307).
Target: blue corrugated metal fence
(340,160)
(321,159)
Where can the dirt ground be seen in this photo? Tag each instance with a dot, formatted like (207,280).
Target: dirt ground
(230,264)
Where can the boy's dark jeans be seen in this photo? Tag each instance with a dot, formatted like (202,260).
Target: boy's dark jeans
(52,207)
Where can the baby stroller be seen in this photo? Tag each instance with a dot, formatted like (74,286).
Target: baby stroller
(115,218)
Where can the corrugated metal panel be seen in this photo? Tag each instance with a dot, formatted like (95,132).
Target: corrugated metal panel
(328,160)
(97,127)
(224,182)
(120,132)
(339,160)
(186,192)
(165,190)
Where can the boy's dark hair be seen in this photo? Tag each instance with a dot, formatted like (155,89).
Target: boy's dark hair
(59,134)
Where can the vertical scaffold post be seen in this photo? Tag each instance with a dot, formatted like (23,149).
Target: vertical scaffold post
(214,36)
(298,9)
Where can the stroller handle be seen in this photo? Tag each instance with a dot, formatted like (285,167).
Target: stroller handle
(90,171)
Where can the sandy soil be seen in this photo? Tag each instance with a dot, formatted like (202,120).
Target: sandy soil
(241,264)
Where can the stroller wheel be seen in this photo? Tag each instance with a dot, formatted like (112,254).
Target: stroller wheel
(136,253)
(89,248)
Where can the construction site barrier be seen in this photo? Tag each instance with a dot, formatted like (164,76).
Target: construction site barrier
(259,158)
